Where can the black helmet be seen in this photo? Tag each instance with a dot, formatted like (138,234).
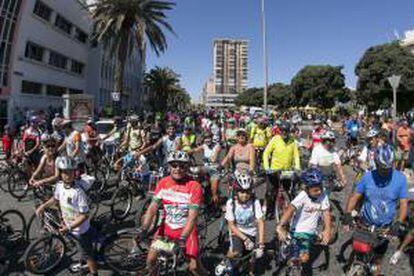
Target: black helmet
(285,126)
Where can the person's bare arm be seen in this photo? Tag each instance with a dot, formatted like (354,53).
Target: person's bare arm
(340,172)
(261,228)
(197,149)
(252,158)
(287,215)
(216,154)
(149,215)
(191,222)
(352,202)
(38,169)
(403,210)
(228,157)
(148,149)
(235,231)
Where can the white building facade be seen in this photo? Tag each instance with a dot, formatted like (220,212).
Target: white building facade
(46,52)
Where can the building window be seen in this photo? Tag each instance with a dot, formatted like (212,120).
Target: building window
(29,87)
(54,90)
(63,24)
(34,51)
(58,60)
(75,91)
(42,10)
(77,67)
(81,36)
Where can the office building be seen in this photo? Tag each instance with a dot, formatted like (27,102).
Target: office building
(46,51)
(230,65)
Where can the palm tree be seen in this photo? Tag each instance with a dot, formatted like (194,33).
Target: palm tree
(124,25)
(166,92)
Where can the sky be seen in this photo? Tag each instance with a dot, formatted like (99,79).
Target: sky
(300,33)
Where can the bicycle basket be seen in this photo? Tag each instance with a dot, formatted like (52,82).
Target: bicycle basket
(164,246)
(363,241)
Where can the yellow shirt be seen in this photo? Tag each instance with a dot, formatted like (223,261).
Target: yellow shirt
(260,136)
(285,156)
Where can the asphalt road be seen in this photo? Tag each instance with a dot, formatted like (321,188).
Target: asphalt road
(214,251)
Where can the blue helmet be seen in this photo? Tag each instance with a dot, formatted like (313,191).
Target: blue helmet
(312,177)
(384,157)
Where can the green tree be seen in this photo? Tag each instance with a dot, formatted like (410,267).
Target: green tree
(281,95)
(250,97)
(320,86)
(125,25)
(375,66)
(165,90)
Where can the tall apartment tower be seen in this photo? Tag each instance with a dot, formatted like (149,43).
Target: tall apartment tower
(230,65)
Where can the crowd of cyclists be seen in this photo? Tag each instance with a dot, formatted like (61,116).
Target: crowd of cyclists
(209,164)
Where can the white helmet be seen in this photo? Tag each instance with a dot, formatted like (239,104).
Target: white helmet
(243,180)
(45,138)
(178,156)
(372,133)
(328,135)
(65,163)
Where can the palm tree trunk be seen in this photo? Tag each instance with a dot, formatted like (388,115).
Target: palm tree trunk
(122,53)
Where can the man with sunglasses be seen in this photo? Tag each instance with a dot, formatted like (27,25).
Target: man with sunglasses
(180,197)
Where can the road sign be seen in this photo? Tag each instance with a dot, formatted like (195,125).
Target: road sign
(394,81)
(116,96)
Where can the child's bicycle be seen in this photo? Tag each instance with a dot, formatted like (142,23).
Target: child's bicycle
(48,251)
(287,255)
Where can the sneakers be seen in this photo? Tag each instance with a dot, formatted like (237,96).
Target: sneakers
(396,257)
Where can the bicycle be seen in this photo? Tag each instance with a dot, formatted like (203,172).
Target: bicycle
(287,191)
(12,238)
(287,255)
(132,185)
(243,265)
(47,252)
(170,257)
(364,241)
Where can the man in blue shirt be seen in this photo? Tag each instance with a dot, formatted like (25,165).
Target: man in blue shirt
(381,190)
(352,127)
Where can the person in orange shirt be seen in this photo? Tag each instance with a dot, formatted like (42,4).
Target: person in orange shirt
(403,144)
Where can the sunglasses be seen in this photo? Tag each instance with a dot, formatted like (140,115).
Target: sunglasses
(180,165)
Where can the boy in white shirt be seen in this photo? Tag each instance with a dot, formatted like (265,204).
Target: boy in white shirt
(73,203)
(307,209)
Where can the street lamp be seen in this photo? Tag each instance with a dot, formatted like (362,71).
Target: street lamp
(394,81)
(265,63)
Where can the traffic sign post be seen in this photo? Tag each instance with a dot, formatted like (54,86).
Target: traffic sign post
(116,97)
(394,81)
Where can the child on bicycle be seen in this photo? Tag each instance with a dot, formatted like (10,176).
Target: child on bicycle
(70,195)
(306,209)
(243,212)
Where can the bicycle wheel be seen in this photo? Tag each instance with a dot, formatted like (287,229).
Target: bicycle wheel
(335,220)
(100,180)
(140,217)
(18,184)
(121,203)
(34,228)
(14,223)
(123,254)
(44,254)
(357,269)
(4,172)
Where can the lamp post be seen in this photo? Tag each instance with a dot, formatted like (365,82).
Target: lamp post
(394,81)
(265,62)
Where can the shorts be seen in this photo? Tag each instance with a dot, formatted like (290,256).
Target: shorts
(237,245)
(304,241)
(212,171)
(192,244)
(84,244)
